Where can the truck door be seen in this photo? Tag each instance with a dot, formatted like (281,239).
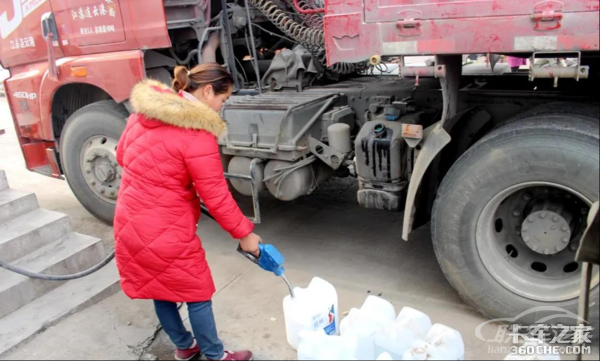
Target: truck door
(21,39)
(84,23)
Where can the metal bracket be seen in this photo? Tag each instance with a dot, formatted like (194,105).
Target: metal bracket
(327,154)
(412,134)
(437,70)
(255,200)
(558,72)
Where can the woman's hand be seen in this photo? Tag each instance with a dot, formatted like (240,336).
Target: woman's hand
(250,244)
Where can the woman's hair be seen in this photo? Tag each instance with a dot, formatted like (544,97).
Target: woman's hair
(202,75)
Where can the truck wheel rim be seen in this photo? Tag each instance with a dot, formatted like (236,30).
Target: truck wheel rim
(527,238)
(100,168)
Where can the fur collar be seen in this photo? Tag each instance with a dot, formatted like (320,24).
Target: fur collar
(155,100)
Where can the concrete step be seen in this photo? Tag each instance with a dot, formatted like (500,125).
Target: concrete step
(70,254)
(51,308)
(30,232)
(14,204)
(3,181)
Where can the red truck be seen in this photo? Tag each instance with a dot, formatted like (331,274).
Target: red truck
(502,160)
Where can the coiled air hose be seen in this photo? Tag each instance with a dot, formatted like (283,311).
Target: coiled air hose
(311,37)
(306,36)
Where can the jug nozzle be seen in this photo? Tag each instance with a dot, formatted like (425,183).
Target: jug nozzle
(270,259)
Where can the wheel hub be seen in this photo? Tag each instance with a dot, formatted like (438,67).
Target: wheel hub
(105,172)
(100,168)
(546,232)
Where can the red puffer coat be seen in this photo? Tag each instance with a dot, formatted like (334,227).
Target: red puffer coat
(169,155)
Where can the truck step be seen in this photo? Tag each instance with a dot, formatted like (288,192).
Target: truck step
(70,254)
(30,232)
(48,310)
(14,204)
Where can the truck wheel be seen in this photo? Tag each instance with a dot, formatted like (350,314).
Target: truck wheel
(510,214)
(88,156)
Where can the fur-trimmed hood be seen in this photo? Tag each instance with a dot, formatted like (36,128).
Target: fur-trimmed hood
(157,101)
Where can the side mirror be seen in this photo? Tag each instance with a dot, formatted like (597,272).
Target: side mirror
(50,33)
(49,27)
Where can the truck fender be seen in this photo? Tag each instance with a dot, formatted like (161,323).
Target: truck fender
(437,137)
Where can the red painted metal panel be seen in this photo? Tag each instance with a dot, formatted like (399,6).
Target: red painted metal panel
(136,24)
(21,39)
(115,73)
(90,22)
(419,27)
(23,92)
(393,10)
(31,91)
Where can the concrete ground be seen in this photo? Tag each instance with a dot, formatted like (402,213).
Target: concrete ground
(326,235)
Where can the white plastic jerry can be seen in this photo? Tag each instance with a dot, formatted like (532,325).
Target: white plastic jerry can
(314,308)
(374,316)
(441,343)
(411,325)
(317,345)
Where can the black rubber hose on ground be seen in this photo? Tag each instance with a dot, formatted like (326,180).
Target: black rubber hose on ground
(63,278)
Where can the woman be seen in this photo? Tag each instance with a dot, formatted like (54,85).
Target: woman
(170,159)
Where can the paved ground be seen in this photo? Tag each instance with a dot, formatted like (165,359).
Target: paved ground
(326,235)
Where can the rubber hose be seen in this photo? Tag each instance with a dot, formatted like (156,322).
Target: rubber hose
(46,277)
(62,278)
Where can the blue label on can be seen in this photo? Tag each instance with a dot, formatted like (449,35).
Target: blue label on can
(331,329)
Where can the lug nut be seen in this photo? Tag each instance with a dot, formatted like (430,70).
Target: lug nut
(546,252)
(565,229)
(89,159)
(113,192)
(102,190)
(574,247)
(558,248)
(543,215)
(525,228)
(534,247)
(93,183)
(527,197)
(565,240)
(555,219)
(554,227)
(527,239)
(88,170)
(517,213)
(530,219)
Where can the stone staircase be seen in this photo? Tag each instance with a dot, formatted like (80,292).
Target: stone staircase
(42,241)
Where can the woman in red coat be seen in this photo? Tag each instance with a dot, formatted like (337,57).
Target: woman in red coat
(170,159)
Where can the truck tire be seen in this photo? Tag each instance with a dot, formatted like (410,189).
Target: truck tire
(509,214)
(583,111)
(88,156)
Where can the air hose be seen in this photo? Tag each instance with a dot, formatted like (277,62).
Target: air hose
(62,278)
(46,277)
(311,37)
(306,36)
